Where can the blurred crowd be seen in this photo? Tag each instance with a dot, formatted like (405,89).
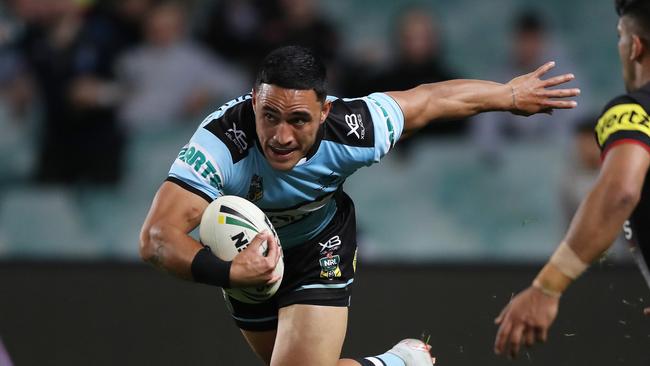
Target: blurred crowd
(81,80)
(93,73)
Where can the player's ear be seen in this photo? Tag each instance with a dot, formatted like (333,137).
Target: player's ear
(254,94)
(325,110)
(638,48)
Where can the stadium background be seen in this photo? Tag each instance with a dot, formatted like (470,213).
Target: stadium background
(446,235)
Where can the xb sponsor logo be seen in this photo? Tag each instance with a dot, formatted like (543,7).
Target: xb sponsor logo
(238,137)
(331,245)
(355,124)
(329,266)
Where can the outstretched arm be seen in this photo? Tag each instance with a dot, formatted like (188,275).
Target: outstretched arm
(593,230)
(455,99)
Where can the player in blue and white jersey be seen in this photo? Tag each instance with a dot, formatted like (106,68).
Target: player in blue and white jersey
(288,148)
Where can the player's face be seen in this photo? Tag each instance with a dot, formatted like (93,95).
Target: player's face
(287,121)
(625,52)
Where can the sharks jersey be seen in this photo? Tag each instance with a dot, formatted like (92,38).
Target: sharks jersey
(223,157)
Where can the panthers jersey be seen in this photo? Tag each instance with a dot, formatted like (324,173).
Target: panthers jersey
(223,157)
(625,120)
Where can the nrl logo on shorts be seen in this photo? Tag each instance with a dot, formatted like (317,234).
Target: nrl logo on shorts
(329,266)
(256,190)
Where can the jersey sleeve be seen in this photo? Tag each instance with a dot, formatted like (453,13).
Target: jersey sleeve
(388,123)
(203,165)
(623,121)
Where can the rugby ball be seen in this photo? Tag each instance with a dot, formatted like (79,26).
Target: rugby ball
(228,226)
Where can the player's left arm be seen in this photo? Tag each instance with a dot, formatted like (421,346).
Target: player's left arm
(455,99)
(594,228)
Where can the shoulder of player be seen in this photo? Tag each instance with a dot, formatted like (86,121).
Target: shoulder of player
(234,125)
(624,117)
(618,100)
(349,123)
(637,102)
(640,97)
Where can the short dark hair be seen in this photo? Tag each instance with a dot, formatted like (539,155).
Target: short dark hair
(639,11)
(294,67)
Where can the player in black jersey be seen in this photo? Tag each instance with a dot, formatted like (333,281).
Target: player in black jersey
(620,197)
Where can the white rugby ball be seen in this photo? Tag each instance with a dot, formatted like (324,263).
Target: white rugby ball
(228,226)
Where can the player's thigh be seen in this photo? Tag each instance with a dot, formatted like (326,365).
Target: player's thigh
(261,342)
(257,322)
(309,335)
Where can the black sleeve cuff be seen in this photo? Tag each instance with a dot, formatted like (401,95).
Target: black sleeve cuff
(208,269)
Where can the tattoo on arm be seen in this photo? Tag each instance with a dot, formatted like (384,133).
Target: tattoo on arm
(157,258)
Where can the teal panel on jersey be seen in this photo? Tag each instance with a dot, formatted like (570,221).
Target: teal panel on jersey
(391,127)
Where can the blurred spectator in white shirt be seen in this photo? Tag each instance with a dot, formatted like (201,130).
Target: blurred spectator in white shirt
(580,174)
(168,78)
(532,46)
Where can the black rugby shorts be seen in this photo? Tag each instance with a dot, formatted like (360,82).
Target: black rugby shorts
(318,272)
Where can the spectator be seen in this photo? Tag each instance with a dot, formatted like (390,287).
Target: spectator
(418,60)
(68,47)
(580,175)
(531,47)
(301,24)
(239,30)
(169,78)
(582,168)
(129,15)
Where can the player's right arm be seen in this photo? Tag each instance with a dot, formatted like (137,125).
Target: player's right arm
(199,174)
(165,243)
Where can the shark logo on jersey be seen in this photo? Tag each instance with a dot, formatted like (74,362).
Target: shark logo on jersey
(256,189)
(238,137)
(329,181)
(355,124)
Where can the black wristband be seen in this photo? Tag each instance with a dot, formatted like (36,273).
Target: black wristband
(207,268)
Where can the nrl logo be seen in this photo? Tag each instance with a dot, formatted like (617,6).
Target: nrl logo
(329,266)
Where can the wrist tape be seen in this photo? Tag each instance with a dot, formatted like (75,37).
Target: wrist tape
(567,261)
(207,268)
